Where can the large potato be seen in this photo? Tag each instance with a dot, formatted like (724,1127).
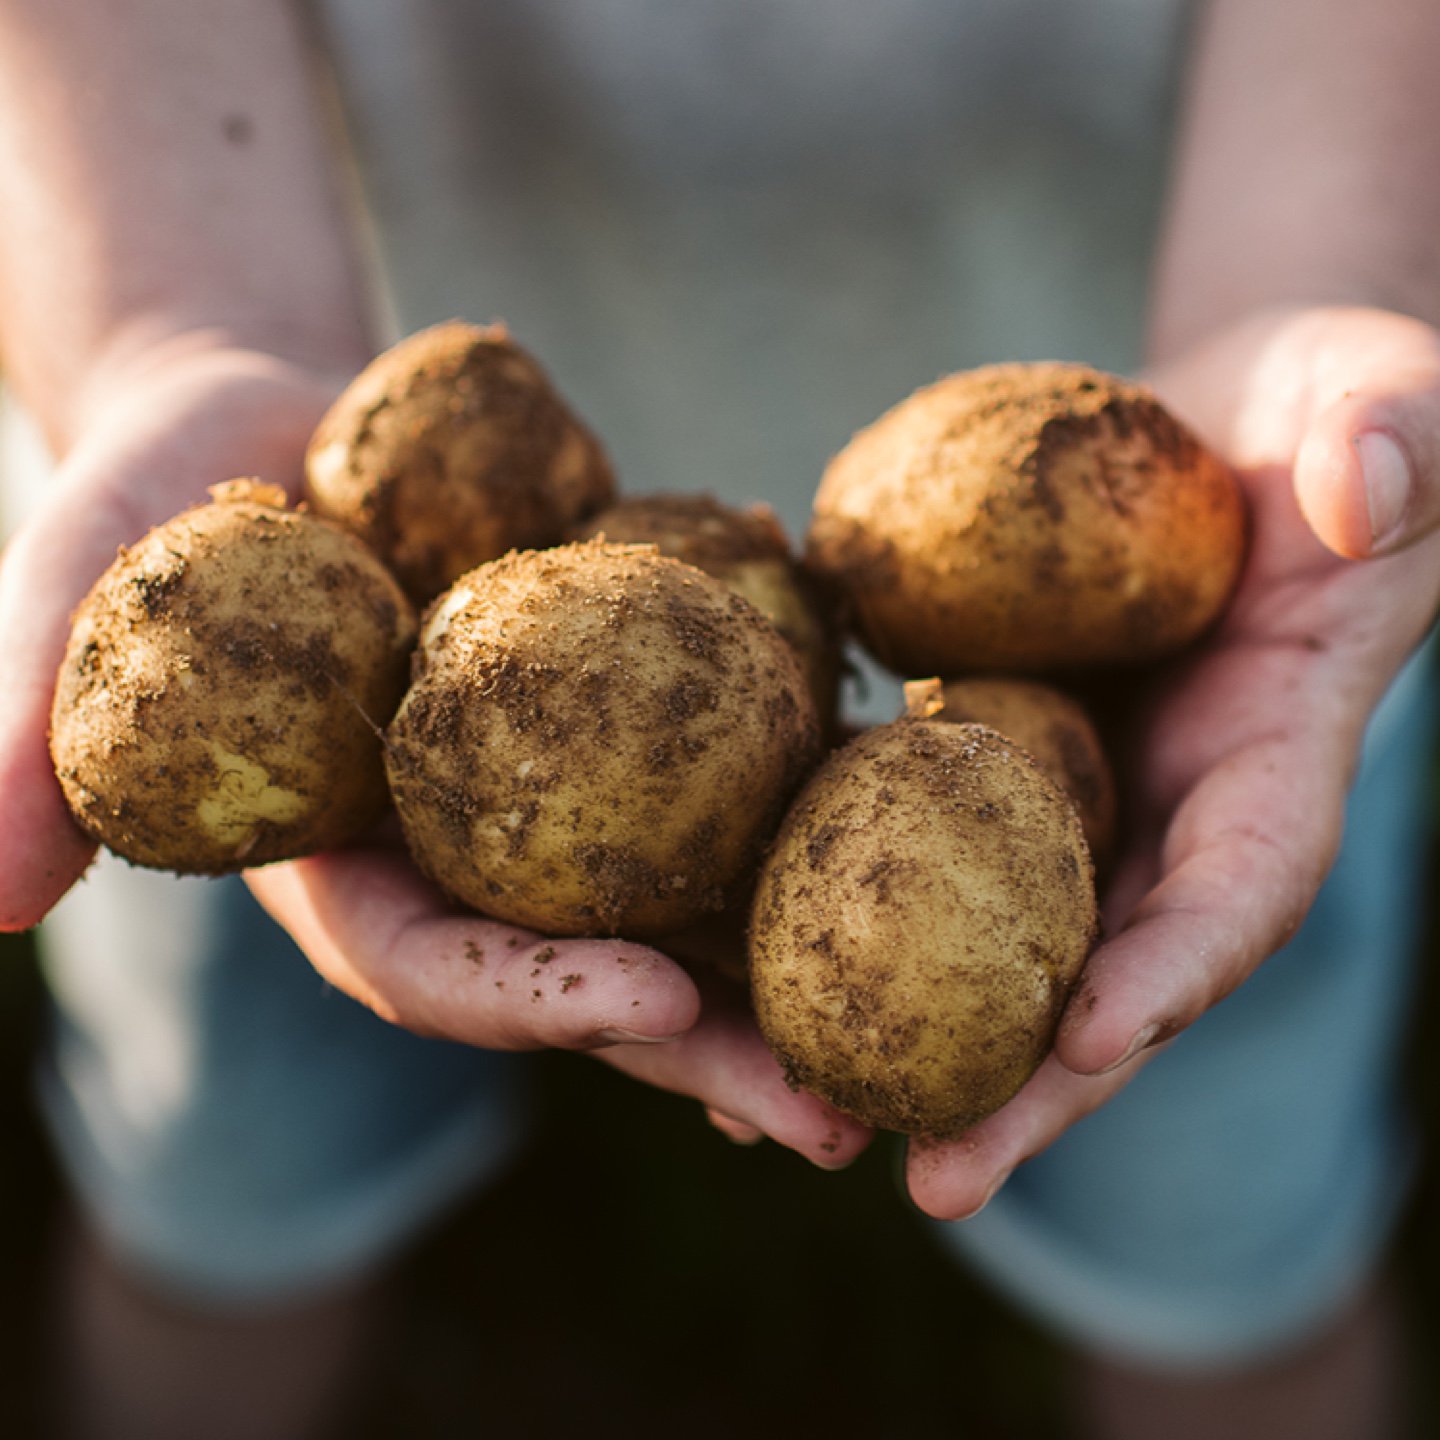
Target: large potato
(1028,517)
(1051,726)
(919,923)
(747,549)
(221,695)
(450,449)
(599,740)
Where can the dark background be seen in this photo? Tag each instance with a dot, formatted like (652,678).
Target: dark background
(638,1275)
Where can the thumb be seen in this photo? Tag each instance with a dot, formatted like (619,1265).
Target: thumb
(44,572)
(1367,473)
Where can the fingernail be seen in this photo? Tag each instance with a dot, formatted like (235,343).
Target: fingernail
(1386,474)
(990,1194)
(614,1035)
(1132,1049)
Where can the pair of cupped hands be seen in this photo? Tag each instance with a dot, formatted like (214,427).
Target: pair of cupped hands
(1235,767)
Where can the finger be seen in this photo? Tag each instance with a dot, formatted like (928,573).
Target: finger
(1243,859)
(724,1063)
(956,1179)
(374,928)
(1367,475)
(1351,396)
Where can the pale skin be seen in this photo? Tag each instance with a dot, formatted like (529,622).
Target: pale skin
(179,299)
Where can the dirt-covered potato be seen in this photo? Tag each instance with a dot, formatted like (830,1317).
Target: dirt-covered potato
(918,925)
(747,549)
(1050,725)
(598,740)
(1028,517)
(451,449)
(220,699)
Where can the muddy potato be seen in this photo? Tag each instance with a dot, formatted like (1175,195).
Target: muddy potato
(450,449)
(1049,725)
(918,925)
(219,701)
(748,550)
(1028,517)
(598,740)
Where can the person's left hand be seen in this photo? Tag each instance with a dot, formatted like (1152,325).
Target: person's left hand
(1242,756)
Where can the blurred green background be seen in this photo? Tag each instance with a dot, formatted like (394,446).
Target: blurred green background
(636,1274)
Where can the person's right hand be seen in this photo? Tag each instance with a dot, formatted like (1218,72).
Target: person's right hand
(151,443)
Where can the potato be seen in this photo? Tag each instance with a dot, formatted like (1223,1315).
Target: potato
(598,740)
(918,925)
(1028,517)
(451,449)
(748,550)
(1047,724)
(221,695)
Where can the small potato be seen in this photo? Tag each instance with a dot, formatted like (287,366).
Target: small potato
(748,550)
(451,449)
(1028,517)
(598,740)
(221,695)
(1049,725)
(919,923)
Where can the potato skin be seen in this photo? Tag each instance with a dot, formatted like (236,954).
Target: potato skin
(450,449)
(1051,726)
(747,549)
(1028,517)
(598,740)
(218,703)
(918,925)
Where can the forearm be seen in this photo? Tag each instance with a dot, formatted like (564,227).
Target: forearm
(1308,168)
(164,173)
